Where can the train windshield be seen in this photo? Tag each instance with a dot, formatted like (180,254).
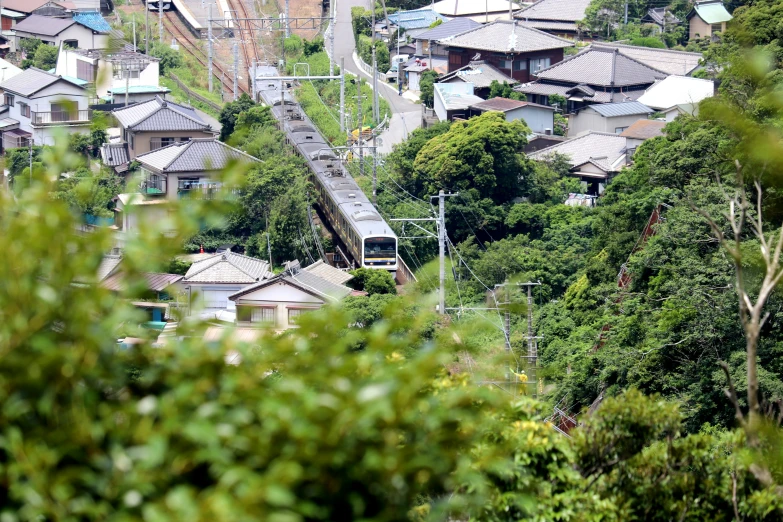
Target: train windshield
(376,247)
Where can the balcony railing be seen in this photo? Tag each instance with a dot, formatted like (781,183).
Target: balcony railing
(153,186)
(208,190)
(60,117)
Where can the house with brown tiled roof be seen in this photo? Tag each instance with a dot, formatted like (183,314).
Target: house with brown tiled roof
(641,131)
(595,75)
(517,51)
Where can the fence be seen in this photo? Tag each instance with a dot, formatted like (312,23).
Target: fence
(196,96)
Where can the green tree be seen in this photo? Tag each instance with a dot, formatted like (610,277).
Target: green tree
(45,57)
(169,58)
(373,281)
(603,16)
(427,87)
(287,215)
(504,90)
(482,154)
(230,112)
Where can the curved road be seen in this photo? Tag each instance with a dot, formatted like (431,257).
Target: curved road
(406,115)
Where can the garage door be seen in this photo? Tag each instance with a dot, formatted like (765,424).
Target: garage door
(218,297)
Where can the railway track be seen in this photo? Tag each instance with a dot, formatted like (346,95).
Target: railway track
(242,12)
(187,42)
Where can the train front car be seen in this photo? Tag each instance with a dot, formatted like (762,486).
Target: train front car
(380,251)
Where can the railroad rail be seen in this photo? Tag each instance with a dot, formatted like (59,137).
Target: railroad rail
(171,24)
(242,13)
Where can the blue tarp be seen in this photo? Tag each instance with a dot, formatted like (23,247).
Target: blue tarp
(93,20)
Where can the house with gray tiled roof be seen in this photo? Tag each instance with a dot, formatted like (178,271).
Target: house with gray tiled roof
(479,73)
(558,17)
(607,117)
(436,54)
(157,123)
(682,63)
(187,167)
(516,50)
(595,75)
(212,280)
(279,302)
(595,157)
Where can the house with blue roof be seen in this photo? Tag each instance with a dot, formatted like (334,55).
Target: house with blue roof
(416,21)
(85,30)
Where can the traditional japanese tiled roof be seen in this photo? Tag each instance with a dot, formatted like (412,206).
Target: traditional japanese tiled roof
(158,114)
(480,74)
(115,154)
(601,66)
(304,280)
(606,151)
(506,36)
(328,272)
(656,16)
(228,267)
(155,282)
(196,155)
(665,60)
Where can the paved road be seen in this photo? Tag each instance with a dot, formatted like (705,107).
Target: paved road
(406,115)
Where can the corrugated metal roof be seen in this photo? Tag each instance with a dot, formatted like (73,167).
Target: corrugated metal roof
(114,154)
(630,108)
(29,81)
(416,19)
(555,10)
(467,8)
(92,21)
(159,115)
(666,60)
(155,282)
(507,36)
(603,67)
(644,129)
(330,273)
(139,89)
(44,25)
(196,155)
(480,74)
(228,267)
(8,124)
(712,12)
(599,148)
(447,29)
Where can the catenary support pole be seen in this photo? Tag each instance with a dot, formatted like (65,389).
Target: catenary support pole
(342,94)
(236,69)
(442,253)
(209,44)
(333,23)
(287,16)
(374,172)
(359,124)
(146,27)
(160,21)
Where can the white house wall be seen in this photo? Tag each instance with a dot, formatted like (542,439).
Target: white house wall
(589,120)
(41,102)
(84,36)
(537,119)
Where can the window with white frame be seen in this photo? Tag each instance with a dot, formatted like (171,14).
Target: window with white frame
(263,315)
(293,315)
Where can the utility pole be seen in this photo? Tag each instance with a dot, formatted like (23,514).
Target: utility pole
(209,43)
(342,93)
(359,107)
(507,316)
(160,20)
(626,12)
(146,27)
(374,171)
(332,10)
(134,31)
(532,341)
(287,28)
(236,69)
(31,140)
(442,249)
